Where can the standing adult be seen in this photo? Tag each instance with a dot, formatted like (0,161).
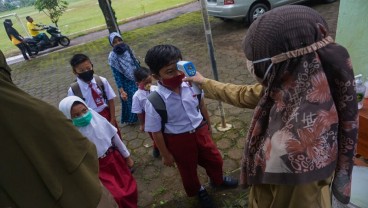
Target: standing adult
(303,134)
(17,39)
(123,63)
(44,160)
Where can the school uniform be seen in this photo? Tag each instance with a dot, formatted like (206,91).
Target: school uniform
(103,109)
(186,136)
(87,94)
(138,106)
(139,101)
(111,152)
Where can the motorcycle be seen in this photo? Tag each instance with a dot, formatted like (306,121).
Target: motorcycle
(55,39)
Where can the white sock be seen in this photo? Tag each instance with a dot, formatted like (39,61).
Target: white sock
(202,188)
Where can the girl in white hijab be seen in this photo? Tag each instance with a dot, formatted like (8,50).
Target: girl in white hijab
(114,157)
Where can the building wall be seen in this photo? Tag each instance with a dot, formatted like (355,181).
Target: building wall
(352,32)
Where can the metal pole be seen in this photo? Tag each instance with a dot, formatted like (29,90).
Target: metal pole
(113,17)
(211,51)
(21,23)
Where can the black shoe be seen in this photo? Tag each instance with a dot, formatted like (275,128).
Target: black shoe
(228,182)
(205,200)
(156,152)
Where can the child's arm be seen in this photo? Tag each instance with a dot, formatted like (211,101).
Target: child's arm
(137,108)
(141,121)
(120,146)
(203,109)
(167,157)
(111,105)
(123,150)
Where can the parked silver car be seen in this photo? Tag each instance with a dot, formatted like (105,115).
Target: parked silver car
(246,9)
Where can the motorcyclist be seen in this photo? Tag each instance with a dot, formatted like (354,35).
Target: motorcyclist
(34,29)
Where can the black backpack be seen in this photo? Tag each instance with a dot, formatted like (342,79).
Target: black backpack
(77,91)
(160,107)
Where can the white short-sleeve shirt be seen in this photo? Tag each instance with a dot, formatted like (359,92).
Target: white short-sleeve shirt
(182,111)
(87,95)
(139,101)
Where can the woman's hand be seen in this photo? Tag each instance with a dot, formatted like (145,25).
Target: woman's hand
(197,79)
(123,94)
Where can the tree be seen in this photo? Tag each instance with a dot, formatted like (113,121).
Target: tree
(109,14)
(52,8)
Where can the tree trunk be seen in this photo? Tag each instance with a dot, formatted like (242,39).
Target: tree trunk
(110,19)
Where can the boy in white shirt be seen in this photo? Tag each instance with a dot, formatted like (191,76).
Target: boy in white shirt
(93,89)
(185,138)
(143,79)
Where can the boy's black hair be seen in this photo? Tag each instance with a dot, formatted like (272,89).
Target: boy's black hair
(160,56)
(141,74)
(27,17)
(78,59)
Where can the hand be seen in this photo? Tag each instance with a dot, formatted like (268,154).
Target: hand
(197,78)
(123,95)
(113,121)
(210,129)
(337,204)
(168,160)
(129,161)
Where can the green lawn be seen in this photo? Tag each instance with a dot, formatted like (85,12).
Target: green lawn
(84,15)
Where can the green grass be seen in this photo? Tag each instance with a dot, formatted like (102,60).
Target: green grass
(84,16)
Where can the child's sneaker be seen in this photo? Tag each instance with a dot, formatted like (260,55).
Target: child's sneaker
(156,152)
(205,200)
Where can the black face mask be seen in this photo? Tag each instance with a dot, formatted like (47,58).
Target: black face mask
(120,48)
(86,76)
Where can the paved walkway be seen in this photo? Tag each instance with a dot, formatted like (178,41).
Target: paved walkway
(48,78)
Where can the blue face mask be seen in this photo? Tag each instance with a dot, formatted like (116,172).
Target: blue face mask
(83,120)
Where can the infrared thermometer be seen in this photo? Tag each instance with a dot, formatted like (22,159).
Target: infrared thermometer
(189,70)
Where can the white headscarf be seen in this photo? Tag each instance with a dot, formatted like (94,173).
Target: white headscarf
(99,131)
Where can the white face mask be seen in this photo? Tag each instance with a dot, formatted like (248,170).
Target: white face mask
(250,67)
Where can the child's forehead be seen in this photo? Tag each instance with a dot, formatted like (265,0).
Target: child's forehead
(85,63)
(78,105)
(171,65)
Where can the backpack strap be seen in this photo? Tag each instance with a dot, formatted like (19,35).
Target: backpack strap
(76,90)
(160,107)
(100,86)
(199,97)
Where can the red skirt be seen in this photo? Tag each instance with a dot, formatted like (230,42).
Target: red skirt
(116,177)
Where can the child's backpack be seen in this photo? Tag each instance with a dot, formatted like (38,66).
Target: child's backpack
(160,107)
(77,91)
